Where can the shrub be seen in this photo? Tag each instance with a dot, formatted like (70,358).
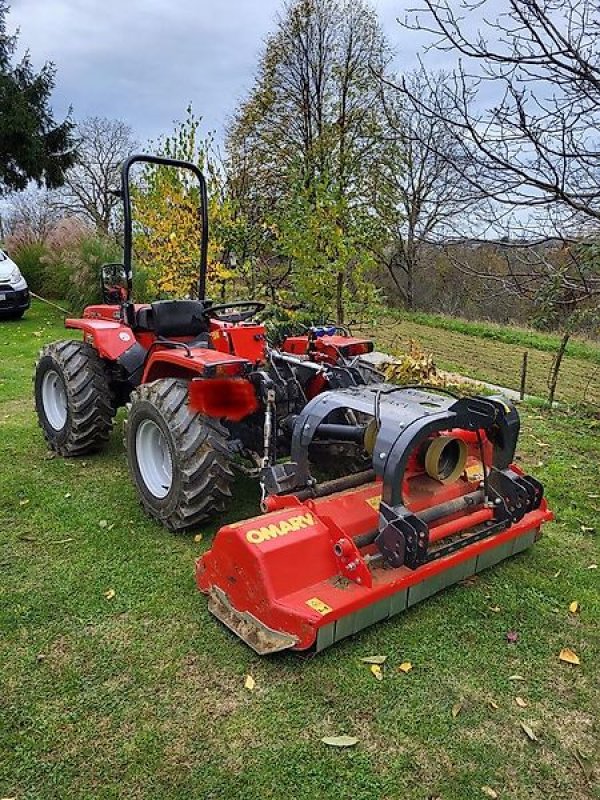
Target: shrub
(30,259)
(81,263)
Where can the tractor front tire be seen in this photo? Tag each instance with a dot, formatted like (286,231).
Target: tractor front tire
(73,400)
(179,460)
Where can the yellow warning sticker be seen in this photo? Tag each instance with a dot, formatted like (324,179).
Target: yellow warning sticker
(474,471)
(374,501)
(319,605)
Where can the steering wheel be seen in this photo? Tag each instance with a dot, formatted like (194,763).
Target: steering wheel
(252,306)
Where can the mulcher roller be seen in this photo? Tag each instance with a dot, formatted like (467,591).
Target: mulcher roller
(442,501)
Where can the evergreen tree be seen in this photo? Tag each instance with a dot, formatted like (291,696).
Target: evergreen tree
(33,147)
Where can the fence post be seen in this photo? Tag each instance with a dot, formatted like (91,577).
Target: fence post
(523,376)
(555,369)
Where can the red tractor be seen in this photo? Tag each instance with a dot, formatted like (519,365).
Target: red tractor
(202,385)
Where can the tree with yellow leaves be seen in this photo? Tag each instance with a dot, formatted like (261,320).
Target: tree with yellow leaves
(167,224)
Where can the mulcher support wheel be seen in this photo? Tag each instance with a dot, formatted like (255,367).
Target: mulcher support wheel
(180,461)
(73,400)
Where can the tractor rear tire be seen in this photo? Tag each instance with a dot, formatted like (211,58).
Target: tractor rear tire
(179,460)
(73,399)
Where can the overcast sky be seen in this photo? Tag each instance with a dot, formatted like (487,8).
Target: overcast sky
(143,60)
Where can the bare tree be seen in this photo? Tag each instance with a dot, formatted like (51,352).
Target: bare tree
(526,100)
(426,175)
(102,146)
(538,60)
(31,216)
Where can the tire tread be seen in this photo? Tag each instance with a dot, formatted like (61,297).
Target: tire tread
(91,404)
(203,453)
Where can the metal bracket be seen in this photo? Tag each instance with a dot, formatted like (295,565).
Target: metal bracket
(279,478)
(403,538)
(351,563)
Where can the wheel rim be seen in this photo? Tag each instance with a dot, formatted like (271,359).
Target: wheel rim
(154,458)
(54,399)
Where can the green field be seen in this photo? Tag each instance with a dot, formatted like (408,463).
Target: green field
(491,353)
(142,695)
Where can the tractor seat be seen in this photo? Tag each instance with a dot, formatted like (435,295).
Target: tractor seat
(204,341)
(167,318)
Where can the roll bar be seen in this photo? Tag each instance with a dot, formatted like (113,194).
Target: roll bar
(202,214)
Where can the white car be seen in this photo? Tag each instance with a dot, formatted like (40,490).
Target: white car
(14,292)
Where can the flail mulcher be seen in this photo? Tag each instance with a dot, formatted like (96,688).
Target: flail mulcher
(442,501)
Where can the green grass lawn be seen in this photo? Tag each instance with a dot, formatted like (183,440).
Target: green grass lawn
(142,696)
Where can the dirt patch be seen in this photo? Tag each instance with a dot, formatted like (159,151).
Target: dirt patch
(59,654)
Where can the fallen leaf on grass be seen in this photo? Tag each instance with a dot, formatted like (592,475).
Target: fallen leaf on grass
(495,609)
(373,659)
(249,683)
(529,732)
(521,702)
(489,792)
(340,741)
(198,537)
(23,502)
(405,666)
(376,670)
(539,442)
(456,709)
(40,657)
(103,523)
(109,594)
(494,705)
(574,607)
(67,495)
(516,678)
(569,656)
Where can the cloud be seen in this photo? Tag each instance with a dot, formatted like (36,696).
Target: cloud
(143,61)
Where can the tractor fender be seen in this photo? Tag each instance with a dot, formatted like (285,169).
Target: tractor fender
(110,339)
(191,363)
